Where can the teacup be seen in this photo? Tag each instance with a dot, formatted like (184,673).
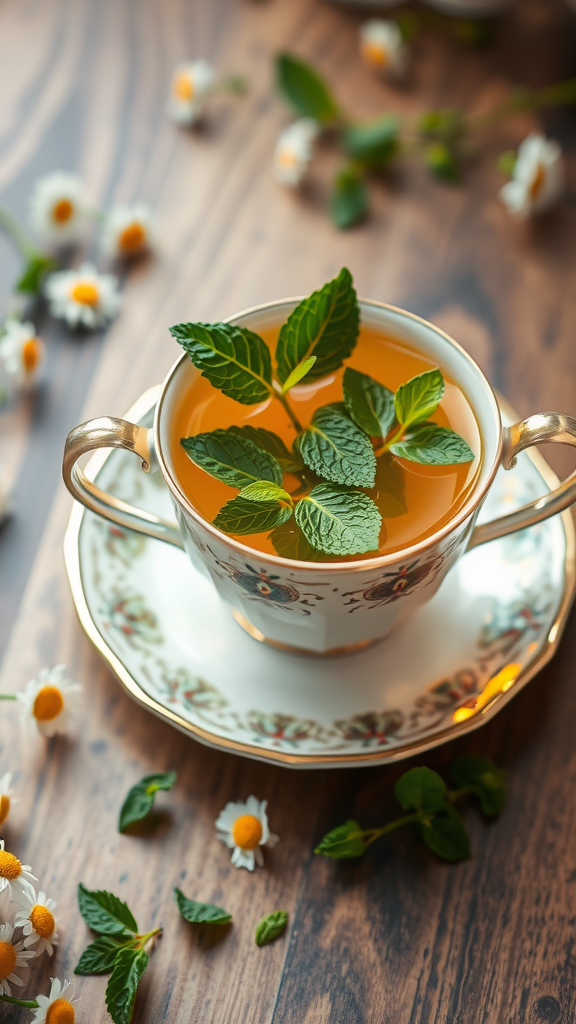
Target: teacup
(323,607)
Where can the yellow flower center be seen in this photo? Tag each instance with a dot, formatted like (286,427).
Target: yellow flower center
(375,54)
(4,808)
(42,920)
(62,211)
(7,959)
(48,704)
(31,354)
(247,832)
(287,158)
(183,86)
(86,293)
(10,866)
(60,1012)
(537,182)
(132,238)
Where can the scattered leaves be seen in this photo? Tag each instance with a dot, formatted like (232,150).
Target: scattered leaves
(271,927)
(140,800)
(200,913)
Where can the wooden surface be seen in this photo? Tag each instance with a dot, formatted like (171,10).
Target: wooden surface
(396,937)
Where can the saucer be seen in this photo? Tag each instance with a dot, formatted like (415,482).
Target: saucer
(494,622)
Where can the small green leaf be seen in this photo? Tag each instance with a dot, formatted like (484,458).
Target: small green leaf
(483,778)
(200,913)
(324,325)
(290,462)
(390,487)
(290,542)
(445,834)
(243,516)
(421,790)
(30,282)
(233,359)
(271,927)
(99,957)
(350,201)
(304,90)
(433,446)
(373,143)
(140,800)
(105,913)
(298,373)
(446,125)
(369,403)
(263,490)
(343,843)
(232,458)
(338,521)
(129,967)
(419,398)
(507,162)
(337,450)
(441,162)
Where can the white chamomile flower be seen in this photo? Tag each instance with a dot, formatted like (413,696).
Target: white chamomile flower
(57,208)
(47,700)
(382,47)
(293,151)
(55,1009)
(244,829)
(15,877)
(537,180)
(13,956)
(6,798)
(127,230)
(191,85)
(37,921)
(21,354)
(83,296)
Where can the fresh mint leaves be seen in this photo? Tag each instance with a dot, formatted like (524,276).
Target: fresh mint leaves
(298,373)
(372,143)
(200,913)
(369,403)
(290,462)
(232,358)
(140,799)
(105,914)
(271,927)
(337,450)
(99,957)
(243,516)
(232,458)
(419,398)
(338,521)
(129,966)
(304,89)
(262,490)
(433,446)
(344,842)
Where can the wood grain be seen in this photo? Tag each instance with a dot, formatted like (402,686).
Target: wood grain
(396,937)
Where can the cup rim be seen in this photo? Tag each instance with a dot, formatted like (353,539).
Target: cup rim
(369,564)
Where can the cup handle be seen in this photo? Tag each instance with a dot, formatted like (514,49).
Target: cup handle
(542,428)
(109,432)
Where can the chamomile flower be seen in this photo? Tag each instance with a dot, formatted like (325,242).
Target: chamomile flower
(83,296)
(6,798)
(382,47)
(21,354)
(13,957)
(57,208)
(191,85)
(127,231)
(55,1009)
(47,700)
(37,921)
(15,878)
(293,151)
(537,179)
(244,829)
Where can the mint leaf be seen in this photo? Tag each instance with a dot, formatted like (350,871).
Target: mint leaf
(270,442)
(99,957)
(349,202)
(271,927)
(446,836)
(324,325)
(440,159)
(140,800)
(337,450)
(129,967)
(298,373)
(290,542)
(373,143)
(105,913)
(433,446)
(263,490)
(232,358)
(30,282)
(242,516)
(338,521)
(344,842)
(390,487)
(483,778)
(304,90)
(419,398)
(197,913)
(369,403)
(421,790)
(232,458)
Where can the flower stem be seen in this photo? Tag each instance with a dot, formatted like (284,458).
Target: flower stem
(143,939)
(16,232)
(294,419)
(30,1004)
(8,696)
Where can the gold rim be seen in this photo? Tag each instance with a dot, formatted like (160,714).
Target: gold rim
(484,709)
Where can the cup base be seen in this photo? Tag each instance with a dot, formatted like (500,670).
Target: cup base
(332,653)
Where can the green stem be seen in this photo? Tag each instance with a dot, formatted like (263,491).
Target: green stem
(30,1004)
(8,696)
(294,419)
(395,437)
(16,232)
(559,94)
(456,794)
(390,827)
(143,939)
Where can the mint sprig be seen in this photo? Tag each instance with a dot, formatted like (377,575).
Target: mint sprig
(305,90)
(129,966)
(337,450)
(433,446)
(419,398)
(268,441)
(232,458)
(244,516)
(369,403)
(232,358)
(200,913)
(338,521)
(140,799)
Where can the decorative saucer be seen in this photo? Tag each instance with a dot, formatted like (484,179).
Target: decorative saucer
(160,625)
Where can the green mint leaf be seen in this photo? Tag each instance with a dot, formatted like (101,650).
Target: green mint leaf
(263,490)
(483,778)
(390,487)
(344,842)
(369,403)
(290,542)
(350,201)
(200,913)
(298,373)
(232,458)
(270,442)
(419,398)
(99,957)
(140,800)
(446,125)
(421,790)
(243,516)
(446,836)
(233,359)
(129,967)
(337,450)
(30,282)
(304,90)
(271,927)
(324,325)
(105,913)
(433,446)
(338,521)
(373,143)
(441,161)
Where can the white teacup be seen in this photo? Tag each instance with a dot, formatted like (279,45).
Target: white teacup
(325,607)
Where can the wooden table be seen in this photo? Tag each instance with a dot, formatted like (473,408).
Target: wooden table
(396,937)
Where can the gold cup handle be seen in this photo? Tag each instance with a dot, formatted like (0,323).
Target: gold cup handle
(109,432)
(542,428)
